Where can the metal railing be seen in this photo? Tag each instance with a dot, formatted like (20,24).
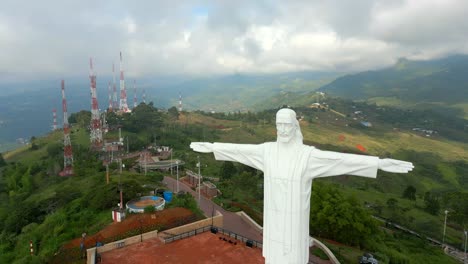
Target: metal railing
(243,239)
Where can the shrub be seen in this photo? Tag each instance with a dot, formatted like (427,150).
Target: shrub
(149,209)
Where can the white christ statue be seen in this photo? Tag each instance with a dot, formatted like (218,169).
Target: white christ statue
(289,167)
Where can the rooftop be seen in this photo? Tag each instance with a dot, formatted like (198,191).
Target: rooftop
(202,248)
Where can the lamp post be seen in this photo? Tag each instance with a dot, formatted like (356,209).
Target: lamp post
(120,185)
(445,227)
(141,228)
(177,171)
(199,178)
(466,237)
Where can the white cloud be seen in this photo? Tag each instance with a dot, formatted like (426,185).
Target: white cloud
(220,37)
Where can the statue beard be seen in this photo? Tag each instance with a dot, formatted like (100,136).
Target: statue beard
(284,138)
(294,138)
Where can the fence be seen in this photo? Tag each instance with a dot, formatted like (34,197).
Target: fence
(247,241)
(186,234)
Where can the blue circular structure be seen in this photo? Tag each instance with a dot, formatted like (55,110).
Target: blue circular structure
(138,205)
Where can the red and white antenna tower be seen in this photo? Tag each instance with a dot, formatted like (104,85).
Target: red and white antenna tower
(96,131)
(123,93)
(180,102)
(109,89)
(134,94)
(54,114)
(114,95)
(67,147)
(144,96)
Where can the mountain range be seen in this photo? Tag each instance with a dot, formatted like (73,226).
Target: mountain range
(26,107)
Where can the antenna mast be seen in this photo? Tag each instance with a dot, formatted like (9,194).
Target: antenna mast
(134,94)
(123,93)
(144,96)
(96,132)
(67,147)
(54,114)
(180,102)
(114,95)
(109,90)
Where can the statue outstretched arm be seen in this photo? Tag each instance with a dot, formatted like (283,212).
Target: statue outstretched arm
(395,166)
(203,147)
(248,154)
(328,163)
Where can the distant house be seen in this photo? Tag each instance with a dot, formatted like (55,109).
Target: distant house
(366,124)
(193,178)
(209,189)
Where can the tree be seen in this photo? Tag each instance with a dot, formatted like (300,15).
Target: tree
(227,170)
(432,203)
(392,203)
(410,193)
(173,113)
(2,161)
(340,218)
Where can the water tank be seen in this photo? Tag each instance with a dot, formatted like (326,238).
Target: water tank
(168,196)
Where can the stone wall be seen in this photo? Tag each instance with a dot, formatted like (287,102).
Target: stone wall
(217,221)
(91,252)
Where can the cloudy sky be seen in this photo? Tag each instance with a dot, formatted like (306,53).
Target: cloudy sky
(57,37)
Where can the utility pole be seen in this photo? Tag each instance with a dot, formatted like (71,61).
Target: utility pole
(199,178)
(120,185)
(177,169)
(107,172)
(466,238)
(445,226)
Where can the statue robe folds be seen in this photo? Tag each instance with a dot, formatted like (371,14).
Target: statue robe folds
(289,171)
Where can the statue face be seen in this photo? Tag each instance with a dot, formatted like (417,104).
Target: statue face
(285,131)
(286,125)
(285,128)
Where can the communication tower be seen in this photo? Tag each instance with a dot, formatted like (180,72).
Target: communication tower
(134,94)
(67,147)
(111,105)
(114,90)
(180,102)
(96,131)
(54,114)
(123,94)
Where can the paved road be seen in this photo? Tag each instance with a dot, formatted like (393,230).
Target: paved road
(232,221)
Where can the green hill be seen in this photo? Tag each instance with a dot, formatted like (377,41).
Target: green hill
(438,83)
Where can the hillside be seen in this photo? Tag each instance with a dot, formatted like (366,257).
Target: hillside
(436,84)
(439,85)
(65,207)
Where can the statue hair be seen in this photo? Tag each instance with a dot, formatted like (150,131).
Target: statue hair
(298,138)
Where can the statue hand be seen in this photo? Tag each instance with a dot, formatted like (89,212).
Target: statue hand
(203,147)
(396,166)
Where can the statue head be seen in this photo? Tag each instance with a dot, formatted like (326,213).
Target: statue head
(287,126)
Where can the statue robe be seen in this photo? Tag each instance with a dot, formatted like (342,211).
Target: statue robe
(289,171)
